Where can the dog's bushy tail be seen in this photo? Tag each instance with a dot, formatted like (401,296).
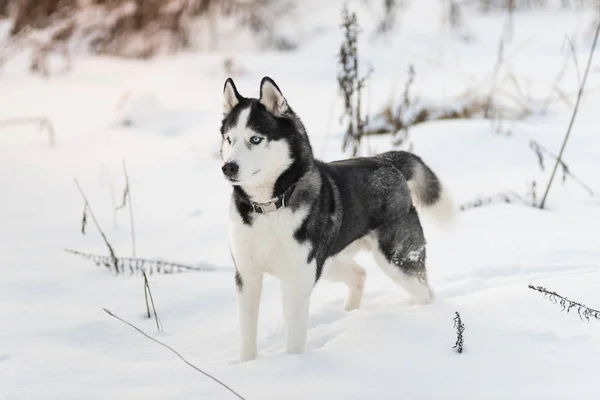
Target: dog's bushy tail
(428,194)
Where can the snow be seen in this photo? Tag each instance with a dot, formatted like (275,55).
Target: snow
(57,343)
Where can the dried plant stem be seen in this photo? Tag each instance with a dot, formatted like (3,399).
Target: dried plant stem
(147,292)
(351,84)
(539,150)
(146,295)
(503,197)
(460,328)
(176,353)
(113,257)
(566,304)
(574,55)
(127,197)
(575,109)
(144,264)
(42,122)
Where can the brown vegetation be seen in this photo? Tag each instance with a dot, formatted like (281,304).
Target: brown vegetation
(128,28)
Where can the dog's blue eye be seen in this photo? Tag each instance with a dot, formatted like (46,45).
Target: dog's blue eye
(255,140)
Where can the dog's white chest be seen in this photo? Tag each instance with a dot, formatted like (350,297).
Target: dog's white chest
(269,244)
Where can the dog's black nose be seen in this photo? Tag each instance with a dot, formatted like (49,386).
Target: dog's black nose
(230,169)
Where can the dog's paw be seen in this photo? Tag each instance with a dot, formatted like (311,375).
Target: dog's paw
(352,304)
(248,355)
(296,348)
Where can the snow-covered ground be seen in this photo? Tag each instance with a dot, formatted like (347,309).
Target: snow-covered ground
(57,343)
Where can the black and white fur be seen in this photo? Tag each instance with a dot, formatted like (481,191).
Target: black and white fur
(335,209)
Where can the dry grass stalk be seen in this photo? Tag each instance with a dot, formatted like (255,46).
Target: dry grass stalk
(540,150)
(460,328)
(574,115)
(395,120)
(504,197)
(142,265)
(351,84)
(130,28)
(87,208)
(126,199)
(176,353)
(147,292)
(566,304)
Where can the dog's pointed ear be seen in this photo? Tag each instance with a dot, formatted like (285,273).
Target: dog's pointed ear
(271,97)
(231,97)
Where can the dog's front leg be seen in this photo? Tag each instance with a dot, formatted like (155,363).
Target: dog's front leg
(295,293)
(249,290)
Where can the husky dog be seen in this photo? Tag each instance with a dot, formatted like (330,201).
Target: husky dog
(300,219)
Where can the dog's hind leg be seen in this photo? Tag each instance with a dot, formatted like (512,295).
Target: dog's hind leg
(400,252)
(345,269)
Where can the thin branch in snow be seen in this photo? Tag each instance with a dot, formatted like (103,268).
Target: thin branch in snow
(460,328)
(537,149)
(142,264)
(533,192)
(125,194)
(566,304)
(541,150)
(146,292)
(504,197)
(176,353)
(574,115)
(113,258)
(124,201)
(574,55)
(84,219)
(146,296)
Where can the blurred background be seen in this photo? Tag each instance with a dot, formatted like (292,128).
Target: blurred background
(113,108)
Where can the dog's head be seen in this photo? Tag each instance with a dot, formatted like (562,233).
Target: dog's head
(261,138)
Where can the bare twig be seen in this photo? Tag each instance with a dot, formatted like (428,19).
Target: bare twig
(504,197)
(351,84)
(405,107)
(126,198)
(566,304)
(540,150)
(460,328)
(575,109)
(146,292)
(146,295)
(84,219)
(176,353)
(42,122)
(144,265)
(574,55)
(533,193)
(113,257)
(409,82)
